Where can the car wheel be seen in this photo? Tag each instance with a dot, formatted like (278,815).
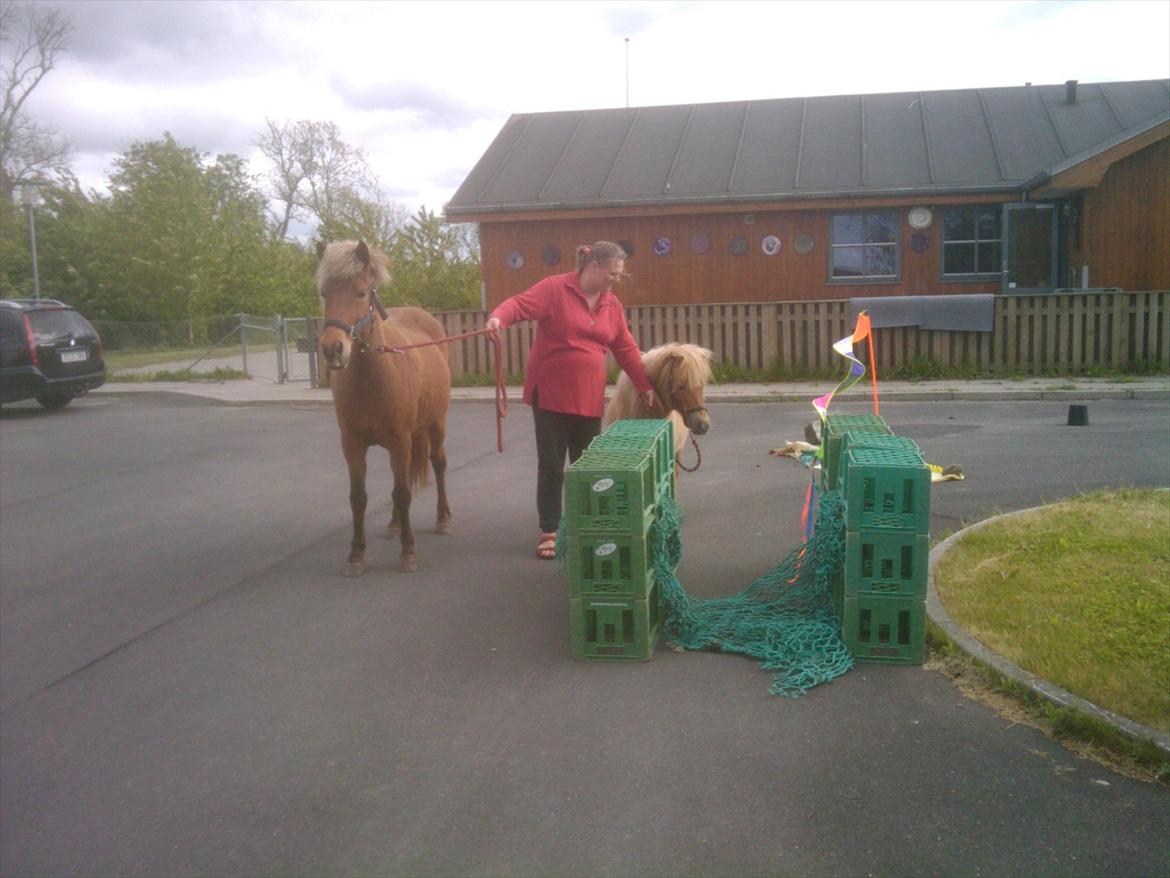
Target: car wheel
(53,401)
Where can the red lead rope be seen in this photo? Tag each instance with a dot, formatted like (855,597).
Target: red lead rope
(501,391)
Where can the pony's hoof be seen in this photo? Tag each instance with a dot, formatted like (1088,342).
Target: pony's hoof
(443,527)
(392,529)
(353,568)
(407,564)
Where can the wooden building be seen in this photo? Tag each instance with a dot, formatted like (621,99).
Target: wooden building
(1026,189)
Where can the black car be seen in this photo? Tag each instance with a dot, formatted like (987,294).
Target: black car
(48,352)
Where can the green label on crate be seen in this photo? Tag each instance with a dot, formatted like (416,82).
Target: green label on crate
(602,485)
(605,549)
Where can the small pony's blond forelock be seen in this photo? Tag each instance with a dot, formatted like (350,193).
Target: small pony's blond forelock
(695,361)
(339,262)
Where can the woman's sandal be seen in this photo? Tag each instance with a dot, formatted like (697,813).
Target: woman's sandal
(546,549)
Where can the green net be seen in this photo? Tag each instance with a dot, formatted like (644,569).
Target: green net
(785,618)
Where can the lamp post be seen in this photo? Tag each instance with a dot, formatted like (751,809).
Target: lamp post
(30,197)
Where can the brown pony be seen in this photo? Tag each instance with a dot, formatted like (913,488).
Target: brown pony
(679,373)
(397,400)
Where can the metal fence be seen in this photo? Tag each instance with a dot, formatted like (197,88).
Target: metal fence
(276,349)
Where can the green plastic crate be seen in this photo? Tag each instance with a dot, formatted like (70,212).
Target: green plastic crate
(602,563)
(834,429)
(885,629)
(667,487)
(657,434)
(614,630)
(610,491)
(633,445)
(872,440)
(886,488)
(837,592)
(886,563)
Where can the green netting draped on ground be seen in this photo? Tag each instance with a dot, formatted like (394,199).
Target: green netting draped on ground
(784,618)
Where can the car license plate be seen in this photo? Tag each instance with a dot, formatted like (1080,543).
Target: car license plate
(74,356)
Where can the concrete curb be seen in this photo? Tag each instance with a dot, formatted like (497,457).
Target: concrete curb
(981,653)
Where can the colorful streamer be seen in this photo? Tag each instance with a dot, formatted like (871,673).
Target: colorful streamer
(844,347)
(808,514)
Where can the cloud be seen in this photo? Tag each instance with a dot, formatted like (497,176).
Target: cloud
(419,104)
(105,116)
(424,87)
(631,20)
(173,41)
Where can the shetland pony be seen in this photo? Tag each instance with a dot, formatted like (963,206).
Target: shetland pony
(395,399)
(679,373)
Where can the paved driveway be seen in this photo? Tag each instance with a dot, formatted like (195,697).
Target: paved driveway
(189,687)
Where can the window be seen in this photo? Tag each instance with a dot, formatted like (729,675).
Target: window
(865,246)
(971,240)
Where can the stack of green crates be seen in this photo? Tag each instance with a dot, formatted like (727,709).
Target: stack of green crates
(611,499)
(881,597)
(835,429)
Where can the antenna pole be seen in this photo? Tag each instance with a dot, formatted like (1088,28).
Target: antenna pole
(627,73)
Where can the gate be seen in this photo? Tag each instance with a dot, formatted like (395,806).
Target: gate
(296,349)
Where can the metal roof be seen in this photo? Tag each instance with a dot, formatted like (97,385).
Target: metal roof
(963,140)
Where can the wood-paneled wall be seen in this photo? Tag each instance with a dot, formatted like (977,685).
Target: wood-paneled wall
(1123,235)
(1125,224)
(684,277)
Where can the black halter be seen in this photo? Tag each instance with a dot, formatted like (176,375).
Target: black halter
(358,328)
(687,412)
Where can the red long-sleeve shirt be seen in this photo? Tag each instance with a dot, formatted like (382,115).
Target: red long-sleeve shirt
(566,365)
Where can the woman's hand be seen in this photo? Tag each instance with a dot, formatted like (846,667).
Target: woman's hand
(650,400)
(492,323)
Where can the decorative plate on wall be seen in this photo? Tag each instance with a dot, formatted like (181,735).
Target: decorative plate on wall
(700,244)
(918,242)
(738,245)
(662,247)
(803,244)
(551,255)
(919,217)
(628,246)
(770,245)
(515,260)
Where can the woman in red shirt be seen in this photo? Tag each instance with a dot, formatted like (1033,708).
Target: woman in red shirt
(578,318)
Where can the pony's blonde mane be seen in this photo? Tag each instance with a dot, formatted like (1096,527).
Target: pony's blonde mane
(339,262)
(694,368)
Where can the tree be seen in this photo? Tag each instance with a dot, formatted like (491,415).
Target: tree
(317,177)
(373,219)
(435,265)
(183,237)
(64,241)
(32,39)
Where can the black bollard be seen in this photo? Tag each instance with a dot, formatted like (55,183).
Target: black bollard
(1078,416)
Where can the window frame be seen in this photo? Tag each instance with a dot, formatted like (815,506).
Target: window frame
(899,216)
(976,276)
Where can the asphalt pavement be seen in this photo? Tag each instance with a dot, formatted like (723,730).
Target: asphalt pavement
(256,391)
(190,687)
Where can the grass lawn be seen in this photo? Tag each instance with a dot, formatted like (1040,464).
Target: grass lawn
(116,360)
(222,373)
(1077,593)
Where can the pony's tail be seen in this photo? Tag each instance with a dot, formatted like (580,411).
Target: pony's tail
(420,459)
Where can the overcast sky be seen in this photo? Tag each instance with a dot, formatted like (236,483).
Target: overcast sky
(424,87)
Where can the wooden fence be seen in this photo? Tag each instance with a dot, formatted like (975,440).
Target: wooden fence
(1032,334)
